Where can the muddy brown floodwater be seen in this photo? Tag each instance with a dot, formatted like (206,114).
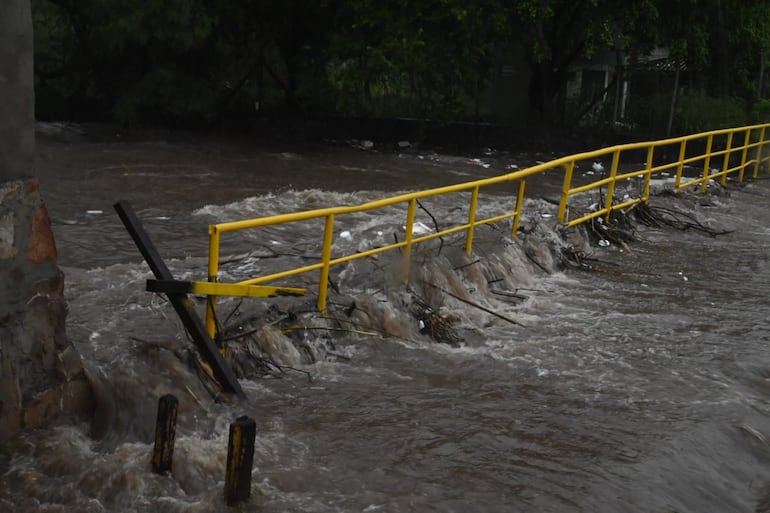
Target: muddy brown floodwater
(641,388)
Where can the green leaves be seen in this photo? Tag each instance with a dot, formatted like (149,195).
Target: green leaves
(415,56)
(190,61)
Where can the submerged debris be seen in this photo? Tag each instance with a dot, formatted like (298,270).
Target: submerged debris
(285,335)
(274,342)
(437,326)
(661,216)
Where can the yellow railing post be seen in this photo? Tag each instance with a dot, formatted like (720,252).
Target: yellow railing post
(408,238)
(726,164)
(707,164)
(759,151)
(517,213)
(213,276)
(565,191)
(744,154)
(472,220)
(648,174)
(680,167)
(326,256)
(611,185)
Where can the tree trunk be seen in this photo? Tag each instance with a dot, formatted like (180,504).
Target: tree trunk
(723,52)
(761,80)
(673,100)
(539,94)
(17,95)
(616,112)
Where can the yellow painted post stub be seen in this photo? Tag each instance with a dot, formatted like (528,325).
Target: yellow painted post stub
(240,460)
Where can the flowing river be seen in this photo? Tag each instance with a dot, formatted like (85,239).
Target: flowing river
(640,386)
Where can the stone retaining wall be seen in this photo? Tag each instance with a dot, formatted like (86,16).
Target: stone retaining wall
(41,374)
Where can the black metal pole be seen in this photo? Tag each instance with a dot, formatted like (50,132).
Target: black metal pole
(182,304)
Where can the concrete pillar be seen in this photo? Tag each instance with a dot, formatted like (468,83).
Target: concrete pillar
(17,93)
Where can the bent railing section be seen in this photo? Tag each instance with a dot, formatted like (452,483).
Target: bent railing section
(711,155)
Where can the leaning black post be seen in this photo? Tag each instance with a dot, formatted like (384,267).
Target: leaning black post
(165,432)
(183,305)
(240,458)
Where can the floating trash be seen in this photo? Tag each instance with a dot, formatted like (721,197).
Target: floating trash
(604,243)
(419,228)
(477,162)
(94,212)
(346,235)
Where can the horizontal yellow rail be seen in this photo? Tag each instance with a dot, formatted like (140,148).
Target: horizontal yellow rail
(208,288)
(733,148)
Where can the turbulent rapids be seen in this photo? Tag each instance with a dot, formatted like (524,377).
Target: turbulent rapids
(451,296)
(620,366)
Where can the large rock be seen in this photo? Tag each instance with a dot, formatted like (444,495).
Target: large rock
(41,374)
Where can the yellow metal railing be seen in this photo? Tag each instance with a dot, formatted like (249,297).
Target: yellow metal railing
(753,138)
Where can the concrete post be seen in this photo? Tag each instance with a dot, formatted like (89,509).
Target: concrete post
(17,93)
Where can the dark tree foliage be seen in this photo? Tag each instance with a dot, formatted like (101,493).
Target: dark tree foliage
(203,61)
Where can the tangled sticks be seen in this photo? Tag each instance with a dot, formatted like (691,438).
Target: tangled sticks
(620,227)
(661,216)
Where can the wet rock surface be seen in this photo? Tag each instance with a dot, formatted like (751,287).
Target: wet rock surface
(41,375)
